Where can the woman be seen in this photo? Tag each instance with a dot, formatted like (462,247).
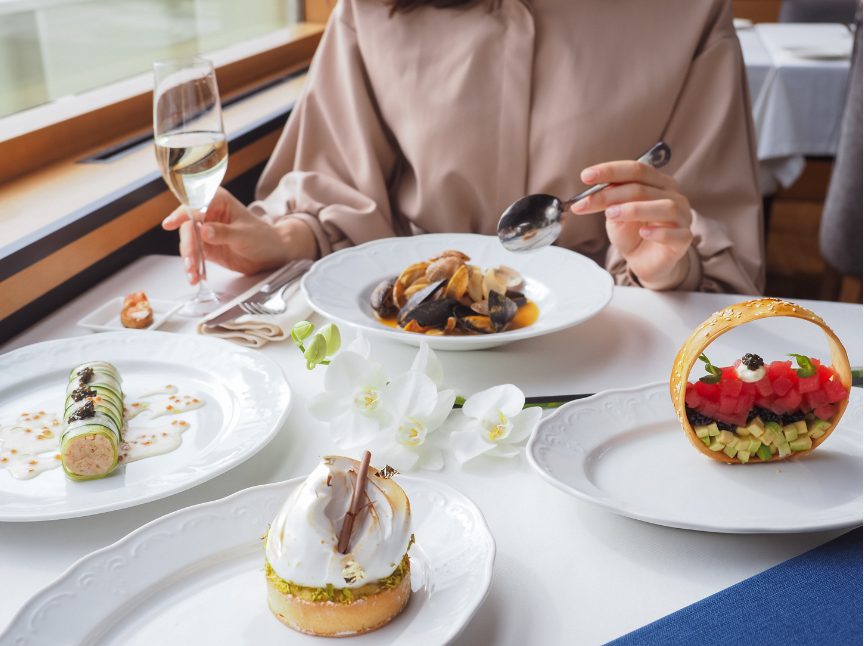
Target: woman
(428,119)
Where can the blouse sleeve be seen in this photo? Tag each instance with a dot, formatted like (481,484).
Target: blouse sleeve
(343,155)
(712,127)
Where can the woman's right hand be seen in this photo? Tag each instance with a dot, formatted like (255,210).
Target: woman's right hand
(235,238)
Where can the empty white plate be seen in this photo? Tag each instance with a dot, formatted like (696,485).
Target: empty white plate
(625,451)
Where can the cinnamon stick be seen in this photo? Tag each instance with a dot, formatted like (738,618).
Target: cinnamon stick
(356,500)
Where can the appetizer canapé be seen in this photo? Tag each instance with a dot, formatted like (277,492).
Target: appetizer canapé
(447,295)
(753,410)
(314,588)
(93,415)
(136,312)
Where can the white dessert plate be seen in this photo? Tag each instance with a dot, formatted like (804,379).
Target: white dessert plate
(195,577)
(824,52)
(107,317)
(625,451)
(247,400)
(567,287)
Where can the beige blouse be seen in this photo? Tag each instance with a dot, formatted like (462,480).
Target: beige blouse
(437,120)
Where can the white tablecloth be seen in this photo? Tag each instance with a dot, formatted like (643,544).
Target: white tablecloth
(797,102)
(566,572)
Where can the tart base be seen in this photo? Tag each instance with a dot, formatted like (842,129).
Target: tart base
(329,619)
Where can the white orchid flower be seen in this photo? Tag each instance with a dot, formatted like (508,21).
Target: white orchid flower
(351,401)
(415,409)
(427,362)
(491,422)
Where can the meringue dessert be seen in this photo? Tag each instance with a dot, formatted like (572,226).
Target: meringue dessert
(315,589)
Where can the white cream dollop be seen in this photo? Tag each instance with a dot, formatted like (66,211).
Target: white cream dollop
(751,376)
(301,543)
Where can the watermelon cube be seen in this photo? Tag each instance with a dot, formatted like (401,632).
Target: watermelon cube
(780,407)
(709,408)
(708,391)
(730,387)
(826,412)
(764,386)
(815,399)
(692,396)
(765,401)
(729,373)
(778,369)
(727,405)
(748,388)
(793,398)
(742,407)
(781,385)
(825,373)
(808,384)
(835,391)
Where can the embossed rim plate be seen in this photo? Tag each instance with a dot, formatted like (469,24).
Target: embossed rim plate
(194,576)
(625,451)
(567,287)
(247,396)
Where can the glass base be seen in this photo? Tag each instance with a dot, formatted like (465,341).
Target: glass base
(197,307)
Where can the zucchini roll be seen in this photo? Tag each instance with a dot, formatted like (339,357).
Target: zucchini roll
(93,415)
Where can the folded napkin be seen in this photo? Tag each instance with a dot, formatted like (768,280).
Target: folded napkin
(814,598)
(257,330)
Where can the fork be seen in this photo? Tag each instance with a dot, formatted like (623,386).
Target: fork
(278,303)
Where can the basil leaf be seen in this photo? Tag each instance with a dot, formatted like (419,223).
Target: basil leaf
(806,367)
(714,373)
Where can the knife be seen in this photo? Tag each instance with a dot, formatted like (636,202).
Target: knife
(287,275)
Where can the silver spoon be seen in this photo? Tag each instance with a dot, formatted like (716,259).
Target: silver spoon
(534,221)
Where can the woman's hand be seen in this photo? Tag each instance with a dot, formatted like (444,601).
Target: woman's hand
(647,219)
(239,240)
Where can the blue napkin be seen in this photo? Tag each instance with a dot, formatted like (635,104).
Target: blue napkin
(814,598)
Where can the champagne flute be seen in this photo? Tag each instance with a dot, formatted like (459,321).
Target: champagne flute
(191,150)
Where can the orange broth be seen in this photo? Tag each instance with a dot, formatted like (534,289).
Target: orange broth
(525,316)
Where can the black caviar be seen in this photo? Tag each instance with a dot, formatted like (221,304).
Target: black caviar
(696,418)
(82,393)
(791,418)
(86,375)
(85,412)
(752,361)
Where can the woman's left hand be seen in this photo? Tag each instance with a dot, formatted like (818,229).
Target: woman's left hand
(647,219)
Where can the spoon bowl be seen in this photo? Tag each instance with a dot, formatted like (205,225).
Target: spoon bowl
(534,221)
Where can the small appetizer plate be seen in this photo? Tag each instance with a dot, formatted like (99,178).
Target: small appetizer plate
(196,577)
(625,451)
(107,317)
(567,287)
(246,400)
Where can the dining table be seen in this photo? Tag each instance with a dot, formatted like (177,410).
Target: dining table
(566,571)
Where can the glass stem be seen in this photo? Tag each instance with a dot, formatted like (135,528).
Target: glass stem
(196,216)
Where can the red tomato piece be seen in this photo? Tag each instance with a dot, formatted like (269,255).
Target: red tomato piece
(808,384)
(835,391)
(781,385)
(825,412)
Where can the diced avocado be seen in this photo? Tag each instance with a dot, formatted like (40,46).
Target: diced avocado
(784,449)
(754,446)
(764,452)
(730,451)
(716,446)
(725,437)
(809,416)
(801,427)
(706,440)
(756,429)
(773,449)
(701,431)
(742,431)
(818,428)
(713,431)
(773,426)
(791,432)
(744,456)
(803,443)
(768,436)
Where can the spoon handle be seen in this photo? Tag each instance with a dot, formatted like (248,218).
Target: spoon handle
(658,155)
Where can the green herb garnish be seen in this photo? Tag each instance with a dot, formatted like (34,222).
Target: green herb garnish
(806,367)
(714,373)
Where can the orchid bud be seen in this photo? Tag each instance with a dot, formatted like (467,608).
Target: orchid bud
(302,330)
(331,335)
(316,350)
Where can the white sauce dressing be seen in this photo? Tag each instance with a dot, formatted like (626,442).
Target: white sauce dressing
(31,446)
(751,376)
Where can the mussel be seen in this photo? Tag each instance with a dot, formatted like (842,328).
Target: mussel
(382,298)
(501,310)
(428,314)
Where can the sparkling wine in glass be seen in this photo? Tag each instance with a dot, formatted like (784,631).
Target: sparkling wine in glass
(191,149)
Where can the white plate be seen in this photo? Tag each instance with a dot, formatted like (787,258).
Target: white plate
(567,287)
(625,451)
(195,577)
(827,52)
(107,317)
(247,399)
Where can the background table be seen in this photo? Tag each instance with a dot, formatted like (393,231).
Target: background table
(797,102)
(566,572)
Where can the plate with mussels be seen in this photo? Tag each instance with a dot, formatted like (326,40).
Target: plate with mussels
(456,291)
